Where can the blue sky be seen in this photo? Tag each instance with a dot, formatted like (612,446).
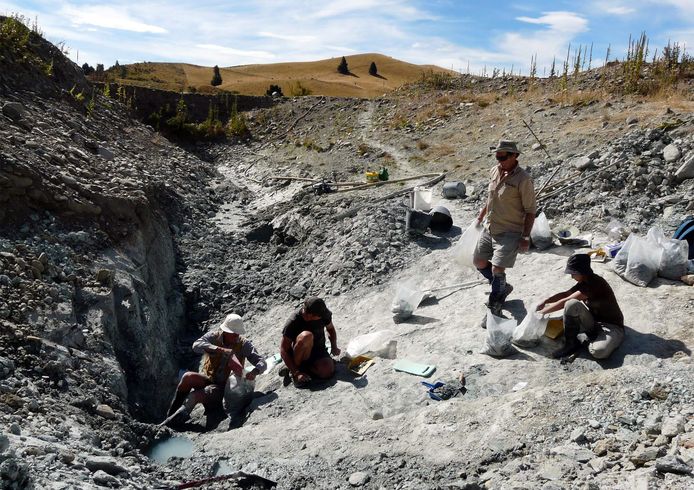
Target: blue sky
(448,33)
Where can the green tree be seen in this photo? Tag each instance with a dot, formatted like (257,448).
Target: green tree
(216,77)
(342,67)
(373,71)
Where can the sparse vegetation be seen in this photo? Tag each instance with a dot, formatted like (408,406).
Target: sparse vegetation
(237,125)
(298,90)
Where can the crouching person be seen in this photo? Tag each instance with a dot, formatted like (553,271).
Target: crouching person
(590,308)
(222,379)
(303,347)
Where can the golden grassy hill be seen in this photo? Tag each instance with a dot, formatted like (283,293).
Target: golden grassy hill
(319,77)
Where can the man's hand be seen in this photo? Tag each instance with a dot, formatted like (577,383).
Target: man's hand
(335,351)
(523,245)
(251,375)
(541,306)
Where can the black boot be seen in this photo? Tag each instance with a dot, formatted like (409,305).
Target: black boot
(571,343)
(178,400)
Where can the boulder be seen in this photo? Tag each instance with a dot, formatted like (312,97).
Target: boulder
(671,153)
(686,170)
(13,110)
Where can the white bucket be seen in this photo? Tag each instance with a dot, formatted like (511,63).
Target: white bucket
(421,199)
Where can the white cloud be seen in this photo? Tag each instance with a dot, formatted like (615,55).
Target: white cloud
(559,22)
(391,8)
(231,52)
(107,17)
(288,37)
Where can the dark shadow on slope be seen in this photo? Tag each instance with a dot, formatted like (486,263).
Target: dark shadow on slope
(379,76)
(637,343)
(341,374)
(417,320)
(516,308)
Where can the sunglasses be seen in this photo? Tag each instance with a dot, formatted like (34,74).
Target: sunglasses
(503,158)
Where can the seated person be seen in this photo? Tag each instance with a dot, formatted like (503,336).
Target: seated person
(590,308)
(303,347)
(225,352)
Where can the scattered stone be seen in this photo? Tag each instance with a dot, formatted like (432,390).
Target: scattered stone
(358,479)
(104,463)
(631,120)
(672,426)
(105,411)
(582,163)
(103,479)
(673,464)
(671,153)
(13,110)
(643,455)
(573,452)
(686,171)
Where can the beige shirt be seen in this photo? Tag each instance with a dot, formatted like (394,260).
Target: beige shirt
(510,199)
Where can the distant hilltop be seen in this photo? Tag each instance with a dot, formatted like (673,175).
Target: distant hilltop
(366,75)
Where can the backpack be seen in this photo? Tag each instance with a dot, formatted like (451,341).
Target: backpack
(685,231)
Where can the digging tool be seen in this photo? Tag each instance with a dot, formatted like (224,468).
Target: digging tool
(429,293)
(548,156)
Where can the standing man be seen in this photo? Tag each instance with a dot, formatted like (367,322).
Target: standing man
(225,352)
(590,308)
(303,347)
(510,213)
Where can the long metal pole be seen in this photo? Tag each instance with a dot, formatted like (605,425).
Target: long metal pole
(548,156)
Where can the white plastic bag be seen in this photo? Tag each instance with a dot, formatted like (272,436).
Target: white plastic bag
(238,394)
(407,299)
(541,235)
(379,344)
(531,329)
(674,259)
(619,264)
(499,332)
(464,253)
(642,262)
(616,231)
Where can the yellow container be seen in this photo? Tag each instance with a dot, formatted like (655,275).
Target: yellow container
(360,364)
(555,327)
(371,176)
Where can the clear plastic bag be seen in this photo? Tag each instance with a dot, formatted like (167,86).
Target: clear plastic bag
(379,344)
(674,259)
(642,262)
(238,394)
(531,329)
(541,235)
(619,264)
(464,253)
(407,299)
(499,333)
(616,231)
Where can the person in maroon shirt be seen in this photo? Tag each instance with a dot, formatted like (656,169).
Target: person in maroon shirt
(303,348)
(590,308)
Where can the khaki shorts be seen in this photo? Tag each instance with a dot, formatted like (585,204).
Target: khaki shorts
(501,249)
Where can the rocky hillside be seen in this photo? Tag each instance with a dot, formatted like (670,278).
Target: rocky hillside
(118,248)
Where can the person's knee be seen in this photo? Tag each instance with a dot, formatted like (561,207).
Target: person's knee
(189,380)
(304,339)
(572,307)
(481,263)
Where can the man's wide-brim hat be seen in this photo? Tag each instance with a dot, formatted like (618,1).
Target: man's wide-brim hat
(507,146)
(232,324)
(579,264)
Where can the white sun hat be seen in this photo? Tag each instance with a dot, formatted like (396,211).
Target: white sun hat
(232,324)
